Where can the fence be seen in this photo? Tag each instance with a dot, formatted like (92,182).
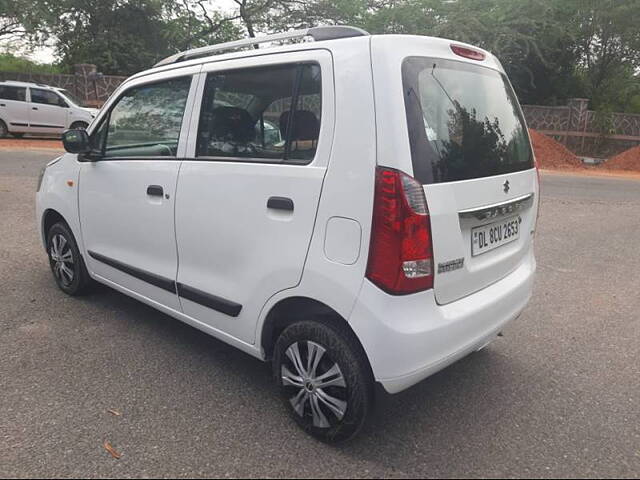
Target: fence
(87,85)
(583,131)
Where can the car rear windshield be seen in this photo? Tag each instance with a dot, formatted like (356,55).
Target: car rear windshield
(464,121)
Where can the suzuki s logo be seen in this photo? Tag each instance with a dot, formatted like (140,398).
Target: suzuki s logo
(506,186)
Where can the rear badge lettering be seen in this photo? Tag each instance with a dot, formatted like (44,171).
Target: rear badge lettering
(456,264)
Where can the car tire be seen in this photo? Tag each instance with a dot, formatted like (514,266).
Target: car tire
(4,131)
(331,400)
(79,126)
(67,265)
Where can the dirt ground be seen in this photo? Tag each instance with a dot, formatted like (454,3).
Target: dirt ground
(31,143)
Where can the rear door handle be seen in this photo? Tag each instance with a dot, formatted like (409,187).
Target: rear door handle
(34,108)
(280,203)
(2,105)
(155,190)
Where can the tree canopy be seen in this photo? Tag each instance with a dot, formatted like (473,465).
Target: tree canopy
(551,49)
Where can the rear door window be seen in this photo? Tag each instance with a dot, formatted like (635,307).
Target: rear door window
(13,93)
(464,121)
(261,114)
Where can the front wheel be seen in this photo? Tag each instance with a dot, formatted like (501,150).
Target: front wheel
(4,131)
(65,260)
(324,380)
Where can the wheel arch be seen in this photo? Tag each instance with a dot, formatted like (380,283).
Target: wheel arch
(77,122)
(291,309)
(49,218)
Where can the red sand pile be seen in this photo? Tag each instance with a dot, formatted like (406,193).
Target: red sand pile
(627,160)
(551,154)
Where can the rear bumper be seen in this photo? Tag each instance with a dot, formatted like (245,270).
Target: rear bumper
(408,338)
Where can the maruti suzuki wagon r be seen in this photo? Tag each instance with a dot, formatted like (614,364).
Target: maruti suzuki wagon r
(356,209)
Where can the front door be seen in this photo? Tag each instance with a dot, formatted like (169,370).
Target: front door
(247,201)
(128,193)
(47,112)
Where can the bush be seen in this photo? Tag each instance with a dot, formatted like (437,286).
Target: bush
(12,63)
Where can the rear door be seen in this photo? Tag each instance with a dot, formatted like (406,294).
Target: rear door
(247,199)
(13,107)
(470,148)
(47,112)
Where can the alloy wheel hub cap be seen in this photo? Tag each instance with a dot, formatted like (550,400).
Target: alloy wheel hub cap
(318,385)
(62,257)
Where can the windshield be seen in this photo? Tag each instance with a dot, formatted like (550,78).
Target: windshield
(464,121)
(70,96)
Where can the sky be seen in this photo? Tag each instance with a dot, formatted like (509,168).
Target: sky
(46,54)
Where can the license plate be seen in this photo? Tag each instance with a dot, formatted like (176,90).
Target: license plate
(494,235)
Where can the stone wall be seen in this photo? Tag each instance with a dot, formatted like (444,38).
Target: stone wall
(88,85)
(584,131)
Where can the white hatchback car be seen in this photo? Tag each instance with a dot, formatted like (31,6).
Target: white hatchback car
(40,109)
(384,233)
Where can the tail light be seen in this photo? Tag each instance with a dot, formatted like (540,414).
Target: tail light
(400,252)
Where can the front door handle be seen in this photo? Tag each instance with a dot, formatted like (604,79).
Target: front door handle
(34,108)
(155,190)
(2,105)
(280,203)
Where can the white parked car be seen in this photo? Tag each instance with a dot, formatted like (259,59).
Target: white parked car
(385,233)
(40,109)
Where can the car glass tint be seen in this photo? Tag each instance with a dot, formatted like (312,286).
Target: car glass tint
(146,121)
(464,121)
(18,94)
(46,97)
(246,113)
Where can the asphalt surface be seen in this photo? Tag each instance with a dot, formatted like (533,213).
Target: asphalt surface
(557,396)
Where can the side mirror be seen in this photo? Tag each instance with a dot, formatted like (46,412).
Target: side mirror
(76,141)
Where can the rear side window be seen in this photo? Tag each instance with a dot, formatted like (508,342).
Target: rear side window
(13,93)
(47,97)
(464,121)
(146,121)
(261,114)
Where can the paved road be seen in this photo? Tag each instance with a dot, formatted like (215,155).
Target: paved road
(557,396)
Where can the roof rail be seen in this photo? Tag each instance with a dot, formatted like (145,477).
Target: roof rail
(317,33)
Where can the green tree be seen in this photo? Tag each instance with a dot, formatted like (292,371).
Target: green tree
(13,63)
(608,42)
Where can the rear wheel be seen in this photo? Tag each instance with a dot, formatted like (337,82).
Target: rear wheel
(324,379)
(4,131)
(67,265)
(79,125)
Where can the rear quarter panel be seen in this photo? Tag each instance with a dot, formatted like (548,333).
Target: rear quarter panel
(347,190)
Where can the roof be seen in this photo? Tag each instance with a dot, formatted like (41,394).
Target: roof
(330,38)
(17,83)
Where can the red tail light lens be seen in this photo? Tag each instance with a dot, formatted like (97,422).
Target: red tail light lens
(400,253)
(467,52)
